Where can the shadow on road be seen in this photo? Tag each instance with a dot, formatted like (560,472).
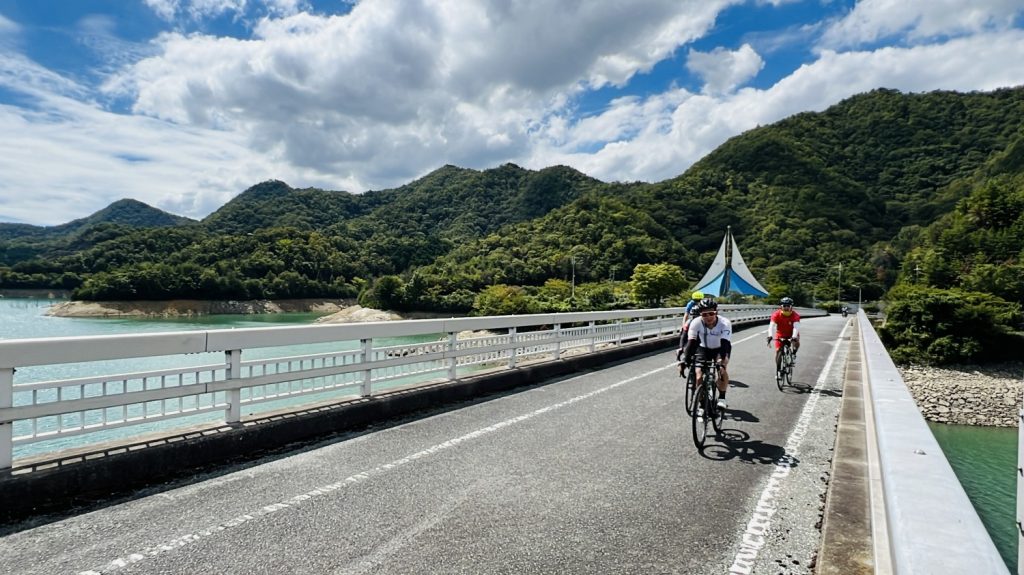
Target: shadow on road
(733,414)
(801,388)
(736,444)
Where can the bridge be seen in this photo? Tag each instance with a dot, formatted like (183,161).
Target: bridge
(554,443)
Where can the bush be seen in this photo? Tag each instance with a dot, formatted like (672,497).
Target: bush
(937,326)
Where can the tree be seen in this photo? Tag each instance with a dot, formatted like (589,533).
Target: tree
(502,300)
(937,326)
(652,283)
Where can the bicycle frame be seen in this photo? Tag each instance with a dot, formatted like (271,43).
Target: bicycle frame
(784,363)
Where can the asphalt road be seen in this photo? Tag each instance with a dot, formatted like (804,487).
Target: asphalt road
(594,473)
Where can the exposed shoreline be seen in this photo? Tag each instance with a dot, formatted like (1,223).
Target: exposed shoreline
(333,310)
(988,395)
(192,308)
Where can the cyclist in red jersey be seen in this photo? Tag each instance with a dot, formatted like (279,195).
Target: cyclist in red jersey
(785,322)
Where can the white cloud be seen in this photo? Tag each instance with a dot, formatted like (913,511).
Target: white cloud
(396,88)
(93,158)
(197,10)
(165,9)
(658,138)
(7,26)
(873,20)
(723,70)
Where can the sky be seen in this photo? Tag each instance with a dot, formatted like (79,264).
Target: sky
(183,104)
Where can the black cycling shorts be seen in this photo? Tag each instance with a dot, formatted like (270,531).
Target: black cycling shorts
(705,354)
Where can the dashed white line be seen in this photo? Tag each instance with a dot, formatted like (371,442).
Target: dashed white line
(323,490)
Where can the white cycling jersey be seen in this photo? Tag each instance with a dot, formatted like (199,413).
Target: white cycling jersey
(710,337)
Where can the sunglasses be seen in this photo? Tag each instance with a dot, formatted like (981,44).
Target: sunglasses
(708,313)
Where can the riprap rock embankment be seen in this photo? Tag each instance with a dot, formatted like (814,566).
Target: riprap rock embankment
(968,395)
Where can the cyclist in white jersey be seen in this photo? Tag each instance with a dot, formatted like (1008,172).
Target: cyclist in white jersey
(710,338)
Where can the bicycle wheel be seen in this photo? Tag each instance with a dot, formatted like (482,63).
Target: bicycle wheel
(691,389)
(780,373)
(788,369)
(700,422)
(717,415)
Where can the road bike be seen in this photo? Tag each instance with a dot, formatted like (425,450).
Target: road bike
(784,368)
(705,403)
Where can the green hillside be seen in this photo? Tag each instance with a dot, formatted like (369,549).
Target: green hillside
(823,204)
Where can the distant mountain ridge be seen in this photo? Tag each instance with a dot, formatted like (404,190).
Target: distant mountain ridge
(125,212)
(854,185)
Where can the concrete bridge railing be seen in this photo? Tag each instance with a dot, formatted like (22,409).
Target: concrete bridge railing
(242,372)
(930,525)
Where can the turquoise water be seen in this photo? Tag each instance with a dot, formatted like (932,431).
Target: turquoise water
(26,318)
(985,461)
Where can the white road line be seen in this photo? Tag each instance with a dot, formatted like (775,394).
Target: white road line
(323,490)
(760,522)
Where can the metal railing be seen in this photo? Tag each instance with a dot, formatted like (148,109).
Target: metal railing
(363,359)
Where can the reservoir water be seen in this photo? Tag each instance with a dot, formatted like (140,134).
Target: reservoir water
(22,318)
(985,461)
(984,458)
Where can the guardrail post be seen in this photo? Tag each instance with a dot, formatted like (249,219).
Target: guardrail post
(593,336)
(453,366)
(1020,492)
(512,340)
(618,333)
(640,338)
(6,429)
(366,388)
(558,341)
(233,357)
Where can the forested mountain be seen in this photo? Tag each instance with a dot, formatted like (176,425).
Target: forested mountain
(274,204)
(127,212)
(874,184)
(819,189)
(450,203)
(21,242)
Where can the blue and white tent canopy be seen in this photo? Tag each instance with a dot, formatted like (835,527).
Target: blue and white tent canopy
(729,273)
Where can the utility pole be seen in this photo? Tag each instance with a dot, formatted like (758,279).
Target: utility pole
(573,289)
(917,273)
(839,284)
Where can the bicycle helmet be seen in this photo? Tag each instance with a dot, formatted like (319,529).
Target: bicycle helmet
(708,304)
(697,296)
(786,301)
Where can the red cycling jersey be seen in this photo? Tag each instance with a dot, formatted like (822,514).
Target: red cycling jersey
(784,323)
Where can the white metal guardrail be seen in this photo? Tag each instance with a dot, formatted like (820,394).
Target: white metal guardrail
(932,525)
(358,365)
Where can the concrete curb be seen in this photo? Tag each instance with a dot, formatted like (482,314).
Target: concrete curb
(846,533)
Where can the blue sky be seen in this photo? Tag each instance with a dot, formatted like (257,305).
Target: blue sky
(183,104)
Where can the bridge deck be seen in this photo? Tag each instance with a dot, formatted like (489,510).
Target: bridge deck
(590,473)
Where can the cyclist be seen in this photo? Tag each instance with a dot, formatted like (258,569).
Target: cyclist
(695,298)
(785,322)
(710,338)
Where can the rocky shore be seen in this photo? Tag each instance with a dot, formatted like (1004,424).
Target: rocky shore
(189,308)
(968,395)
